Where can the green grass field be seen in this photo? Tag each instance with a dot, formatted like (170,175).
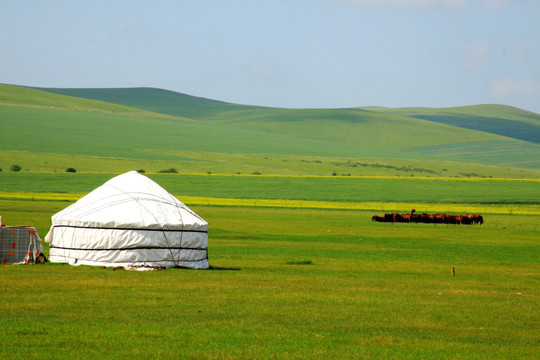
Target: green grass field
(298,269)
(329,188)
(202,135)
(289,283)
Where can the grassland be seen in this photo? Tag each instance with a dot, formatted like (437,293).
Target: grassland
(290,283)
(328,188)
(226,138)
(26,97)
(381,129)
(298,269)
(496,119)
(155,100)
(186,162)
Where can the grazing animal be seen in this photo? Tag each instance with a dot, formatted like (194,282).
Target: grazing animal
(429,218)
(478,219)
(438,218)
(412,216)
(403,217)
(466,219)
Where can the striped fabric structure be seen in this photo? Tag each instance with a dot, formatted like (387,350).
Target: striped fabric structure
(19,245)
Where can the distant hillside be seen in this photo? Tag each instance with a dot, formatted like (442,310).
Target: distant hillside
(156,100)
(496,119)
(378,131)
(31,97)
(214,136)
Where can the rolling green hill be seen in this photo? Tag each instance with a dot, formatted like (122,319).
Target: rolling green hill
(27,97)
(155,100)
(123,129)
(496,119)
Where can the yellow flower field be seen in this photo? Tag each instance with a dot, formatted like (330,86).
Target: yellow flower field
(375,206)
(381,207)
(41,196)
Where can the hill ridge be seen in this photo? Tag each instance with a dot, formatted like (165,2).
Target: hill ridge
(25,96)
(247,132)
(200,108)
(154,99)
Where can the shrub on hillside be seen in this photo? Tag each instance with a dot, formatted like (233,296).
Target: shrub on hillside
(15,167)
(71,170)
(168,171)
(141,171)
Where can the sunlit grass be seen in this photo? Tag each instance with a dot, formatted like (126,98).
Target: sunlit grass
(20,195)
(290,283)
(522,209)
(376,206)
(298,269)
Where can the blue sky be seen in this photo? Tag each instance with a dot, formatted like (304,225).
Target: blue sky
(285,53)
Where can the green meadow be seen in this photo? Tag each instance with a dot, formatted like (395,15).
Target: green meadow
(284,283)
(167,130)
(289,283)
(329,188)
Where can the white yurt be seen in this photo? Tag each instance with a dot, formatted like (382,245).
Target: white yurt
(129,221)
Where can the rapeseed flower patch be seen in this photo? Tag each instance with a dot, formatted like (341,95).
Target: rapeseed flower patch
(524,209)
(381,207)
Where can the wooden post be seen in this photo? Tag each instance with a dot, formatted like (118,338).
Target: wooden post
(453,271)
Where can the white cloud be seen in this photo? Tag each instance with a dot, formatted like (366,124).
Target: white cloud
(416,4)
(256,68)
(454,3)
(510,87)
(495,5)
(487,5)
(475,54)
(516,50)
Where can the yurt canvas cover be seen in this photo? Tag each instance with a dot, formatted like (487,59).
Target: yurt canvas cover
(19,244)
(129,221)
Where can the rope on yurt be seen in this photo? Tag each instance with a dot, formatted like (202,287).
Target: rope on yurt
(179,209)
(155,218)
(64,252)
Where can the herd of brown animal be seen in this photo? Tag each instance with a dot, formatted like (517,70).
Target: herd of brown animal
(466,219)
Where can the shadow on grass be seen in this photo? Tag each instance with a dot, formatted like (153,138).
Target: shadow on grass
(299,262)
(223,268)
